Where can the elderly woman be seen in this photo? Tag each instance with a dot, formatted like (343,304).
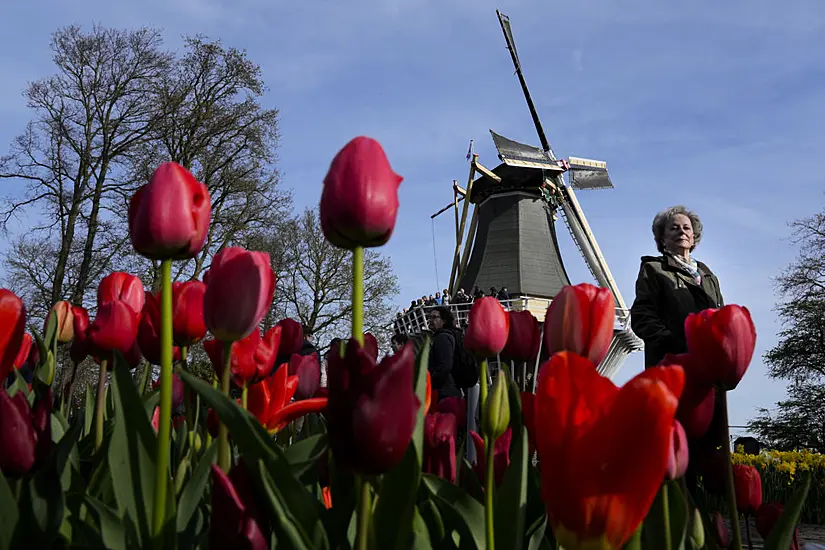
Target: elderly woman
(672,286)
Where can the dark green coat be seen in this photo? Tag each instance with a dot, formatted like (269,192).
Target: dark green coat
(665,296)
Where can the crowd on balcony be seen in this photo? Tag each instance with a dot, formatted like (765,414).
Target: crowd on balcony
(444,298)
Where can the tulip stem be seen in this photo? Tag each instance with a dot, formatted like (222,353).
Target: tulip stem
(223,433)
(144,377)
(165,414)
(666,515)
(358,294)
(722,401)
(244,393)
(364,510)
(482,379)
(489,487)
(100,405)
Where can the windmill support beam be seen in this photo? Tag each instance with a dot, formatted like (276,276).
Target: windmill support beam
(460,232)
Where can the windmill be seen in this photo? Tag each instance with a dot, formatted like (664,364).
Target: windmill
(511,239)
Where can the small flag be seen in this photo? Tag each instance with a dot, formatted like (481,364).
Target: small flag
(470,150)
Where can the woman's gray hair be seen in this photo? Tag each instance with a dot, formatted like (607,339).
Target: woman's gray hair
(665,216)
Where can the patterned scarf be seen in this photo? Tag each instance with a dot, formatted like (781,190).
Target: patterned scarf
(690,267)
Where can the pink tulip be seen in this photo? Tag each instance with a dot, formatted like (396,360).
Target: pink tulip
(580,320)
(488,329)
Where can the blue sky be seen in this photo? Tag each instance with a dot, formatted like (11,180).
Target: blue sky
(715,106)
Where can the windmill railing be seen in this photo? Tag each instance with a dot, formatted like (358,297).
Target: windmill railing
(414,321)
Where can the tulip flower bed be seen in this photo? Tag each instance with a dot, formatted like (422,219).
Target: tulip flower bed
(779,472)
(371,461)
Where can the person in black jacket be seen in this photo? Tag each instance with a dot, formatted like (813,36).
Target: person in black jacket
(308,348)
(442,323)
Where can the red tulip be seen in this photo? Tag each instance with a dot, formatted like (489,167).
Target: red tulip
(457,406)
(123,287)
(677,460)
(24,351)
(292,339)
(234,523)
(12,328)
(17,437)
(269,399)
(587,426)
(439,445)
(524,337)
(723,341)
(359,201)
(253,357)
(698,402)
(528,413)
(308,371)
(372,408)
(239,289)
(720,530)
(488,327)
(169,216)
(748,484)
(115,328)
(580,320)
(371,345)
(188,326)
(766,518)
(65,321)
(501,456)
(80,344)
(149,331)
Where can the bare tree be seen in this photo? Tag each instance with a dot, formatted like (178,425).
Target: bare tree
(317,283)
(87,116)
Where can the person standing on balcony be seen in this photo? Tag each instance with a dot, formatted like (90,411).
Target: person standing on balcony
(441,322)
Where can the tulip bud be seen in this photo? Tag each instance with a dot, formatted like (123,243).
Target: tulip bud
(748,485)
(115,327)
(580,320)
(121,287)
(523,338)
(80,344)
(64,313)
(371,345)
(697,530)
(12,328)
(239,288)
(720,530)
(677,461)
(488,327)
(723,341)
(308,370)
(292,339)
(497,410)
(359,201)
(234,523)
(169,216)
(188,326)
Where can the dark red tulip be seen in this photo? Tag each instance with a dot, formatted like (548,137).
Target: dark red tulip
(524,337)
(17,437)
(580,320)
(488,327)
(501,456)
(292,339)
(587,425)
(80,344)
(308,370)
(169,216)
(115,328)
(12,329)
(766,518)
(239,289)
(42,425)
(457,406)
(177,390)
(122,287)
(371,345)
(188,326)
(372,408)
(148,337)
(64,311)
(359,201)
(722,341)
(439,445)
(233,523)
(748,484)
(677,460)
(24,351)
(720,531)
(528,413)
(253,357)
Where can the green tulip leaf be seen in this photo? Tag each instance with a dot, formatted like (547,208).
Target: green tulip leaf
(342,487)
(112,529)
(781,535)
(511,498)
(89,410)
(50,337)
(10,515)
(131,454)
(394,512)
(421,534)
(428,512)
(19,384)
(459,510)
(194,489)
(305,454)
(287,527)
(420,386)
(653,532)
(635,542)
